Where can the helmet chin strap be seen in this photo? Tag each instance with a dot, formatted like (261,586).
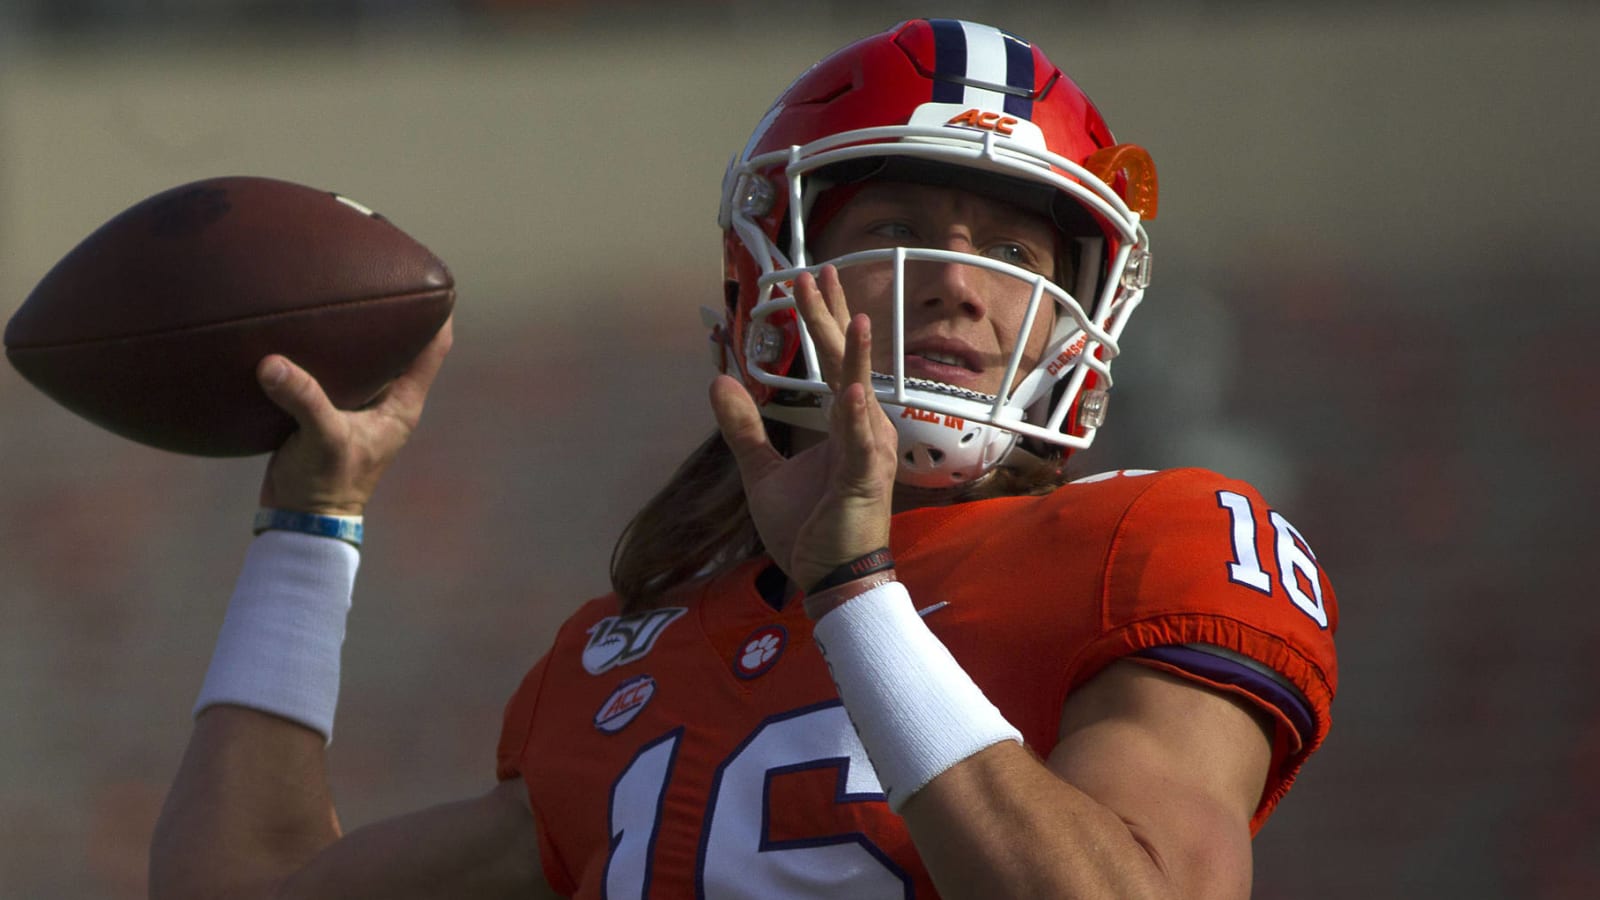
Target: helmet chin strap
(908,496)
(940,450)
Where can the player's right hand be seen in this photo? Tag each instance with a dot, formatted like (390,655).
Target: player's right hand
(332,462)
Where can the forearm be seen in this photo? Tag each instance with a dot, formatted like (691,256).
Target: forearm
(1151,798)
(249,806)
(1001,824)
(988,818)
(251,802)
(250,816)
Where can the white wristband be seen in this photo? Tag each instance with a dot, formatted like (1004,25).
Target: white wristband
(916,710)
(278,651)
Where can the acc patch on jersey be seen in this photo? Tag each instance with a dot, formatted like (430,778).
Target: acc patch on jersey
(760,651)
(618,640)
(625,703)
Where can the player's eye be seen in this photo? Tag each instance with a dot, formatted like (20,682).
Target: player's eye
(893,230)
(1012,252)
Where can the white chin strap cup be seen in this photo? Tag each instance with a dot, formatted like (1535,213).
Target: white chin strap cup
(939,450)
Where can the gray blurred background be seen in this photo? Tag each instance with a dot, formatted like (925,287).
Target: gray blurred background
(1374,256)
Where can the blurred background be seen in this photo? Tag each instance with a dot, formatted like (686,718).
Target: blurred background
(1378,225)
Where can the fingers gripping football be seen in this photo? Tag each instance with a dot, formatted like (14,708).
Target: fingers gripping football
(333,461)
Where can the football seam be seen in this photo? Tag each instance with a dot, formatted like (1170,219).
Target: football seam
(223,323)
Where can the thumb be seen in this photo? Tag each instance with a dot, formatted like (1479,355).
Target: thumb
(297,393)
(742,429)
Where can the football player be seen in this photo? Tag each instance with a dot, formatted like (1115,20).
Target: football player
(869,641)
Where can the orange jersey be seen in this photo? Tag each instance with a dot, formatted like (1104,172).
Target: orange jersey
(700,749)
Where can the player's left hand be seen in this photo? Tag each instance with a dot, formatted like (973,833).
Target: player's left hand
(829,503)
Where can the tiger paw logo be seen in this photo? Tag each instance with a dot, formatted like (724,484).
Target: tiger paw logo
(619,640)
(760,651)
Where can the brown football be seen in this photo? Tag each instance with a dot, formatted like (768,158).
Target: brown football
(153,325)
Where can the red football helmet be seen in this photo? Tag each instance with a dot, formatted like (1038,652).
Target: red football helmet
(954,103)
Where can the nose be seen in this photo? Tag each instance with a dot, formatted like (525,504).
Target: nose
(950,288)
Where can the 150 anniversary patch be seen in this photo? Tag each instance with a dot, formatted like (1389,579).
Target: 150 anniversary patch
(619,640)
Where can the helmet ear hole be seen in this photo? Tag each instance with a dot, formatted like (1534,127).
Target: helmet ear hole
(935,455)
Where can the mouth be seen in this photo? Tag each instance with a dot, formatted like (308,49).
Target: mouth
(949,361)
(944,359)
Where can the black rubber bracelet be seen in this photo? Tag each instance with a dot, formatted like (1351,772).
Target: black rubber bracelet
(860,567)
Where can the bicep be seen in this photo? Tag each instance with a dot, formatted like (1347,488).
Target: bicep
(487,846)
(1181,765)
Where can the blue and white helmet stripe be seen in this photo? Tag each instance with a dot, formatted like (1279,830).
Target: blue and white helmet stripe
(981,66)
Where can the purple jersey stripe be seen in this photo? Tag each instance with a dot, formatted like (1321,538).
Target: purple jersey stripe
(1213,666)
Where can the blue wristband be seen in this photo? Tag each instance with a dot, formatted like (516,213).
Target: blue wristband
(343,528)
